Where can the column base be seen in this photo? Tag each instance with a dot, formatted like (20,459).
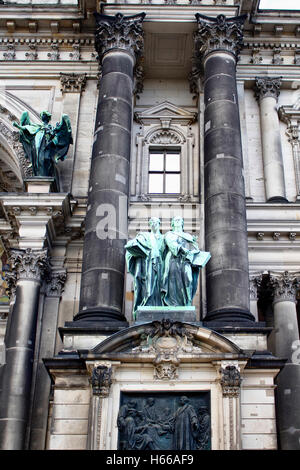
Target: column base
(229,316)
(279,199)
(103,316)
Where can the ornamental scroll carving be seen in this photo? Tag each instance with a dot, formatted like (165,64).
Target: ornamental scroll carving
(219,33)
(28,264)
(230,380)
(284,286)
(267,87)
(119,32)
(101,380)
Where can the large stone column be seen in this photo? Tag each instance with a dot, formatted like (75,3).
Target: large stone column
(218,41)
(267,90)
(287,345)
(28,266)
(119,40)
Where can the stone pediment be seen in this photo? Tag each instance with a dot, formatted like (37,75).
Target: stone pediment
(166,344)
(166,113)
(150,338)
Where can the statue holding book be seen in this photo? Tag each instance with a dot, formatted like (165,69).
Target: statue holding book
(165,268)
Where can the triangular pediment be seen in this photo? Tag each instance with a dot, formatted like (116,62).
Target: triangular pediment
(166,111)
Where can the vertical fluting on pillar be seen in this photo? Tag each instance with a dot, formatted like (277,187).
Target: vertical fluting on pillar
(267,90)
(287,345)
(119,42)
(218,41)
(29,266)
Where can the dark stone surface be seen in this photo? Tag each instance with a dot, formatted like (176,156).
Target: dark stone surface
(288,406)
(102,283)
(225,209)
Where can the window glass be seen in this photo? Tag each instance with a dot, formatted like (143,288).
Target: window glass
(172,162)
(172,183)
(156,183)
(156,162)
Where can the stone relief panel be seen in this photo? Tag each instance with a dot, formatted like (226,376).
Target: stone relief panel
(164,421)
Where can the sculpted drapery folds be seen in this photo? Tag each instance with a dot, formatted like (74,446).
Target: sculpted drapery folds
(165,268)
(44,144)
(144,257)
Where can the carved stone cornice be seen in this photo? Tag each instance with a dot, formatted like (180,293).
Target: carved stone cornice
(119,32)
(72,82)
(28,264)
(219,34)
(230,380)
(284,286)
(55,283)
(101,380)
(267,86)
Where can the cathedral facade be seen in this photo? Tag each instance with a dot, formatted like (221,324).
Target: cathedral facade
(164,108)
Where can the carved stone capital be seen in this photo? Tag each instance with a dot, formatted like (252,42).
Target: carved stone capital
(29,264)
(284,286)
(255,283)
(101,380)
(119,32)
(219,34)
(72,82)
(267,86)
(230,380)
(55,283)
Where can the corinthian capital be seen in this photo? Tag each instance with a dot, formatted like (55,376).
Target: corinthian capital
(29,264)
(267,86)
(119,32)
(219,34)
(284,286)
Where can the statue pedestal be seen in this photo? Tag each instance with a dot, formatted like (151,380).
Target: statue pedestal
(149,314)
(40,184)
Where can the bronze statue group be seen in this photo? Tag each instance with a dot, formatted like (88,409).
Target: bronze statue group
(165,267)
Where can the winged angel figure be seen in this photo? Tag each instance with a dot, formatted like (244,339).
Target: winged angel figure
(44,144)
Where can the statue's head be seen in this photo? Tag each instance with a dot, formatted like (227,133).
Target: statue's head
(150,401)
(177,223)
(154,222)
(45,116)
(183,400)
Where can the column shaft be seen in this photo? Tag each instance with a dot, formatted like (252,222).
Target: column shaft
(20,344)
(267,91)
(102,283)
(225,209)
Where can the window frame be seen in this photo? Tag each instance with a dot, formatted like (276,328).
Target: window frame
(165,150)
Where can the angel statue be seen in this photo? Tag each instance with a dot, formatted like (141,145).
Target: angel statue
(44,144)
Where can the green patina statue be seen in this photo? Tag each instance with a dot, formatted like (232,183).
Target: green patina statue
(165,268)
(44,144)
(144,257)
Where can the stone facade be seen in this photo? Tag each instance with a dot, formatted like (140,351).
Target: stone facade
(217,82)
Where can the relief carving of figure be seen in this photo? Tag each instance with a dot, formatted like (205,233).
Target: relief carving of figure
(44,144)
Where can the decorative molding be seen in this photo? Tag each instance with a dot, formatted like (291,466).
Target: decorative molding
(75,55)
(119,32)
(101,380)
(219,34)
(255,284)
(54,54)
(32,55)
(284,286)
(10,54)
(165,137)
(55,283)
(230,380)
(72,82)
(12,138)
(267,86)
